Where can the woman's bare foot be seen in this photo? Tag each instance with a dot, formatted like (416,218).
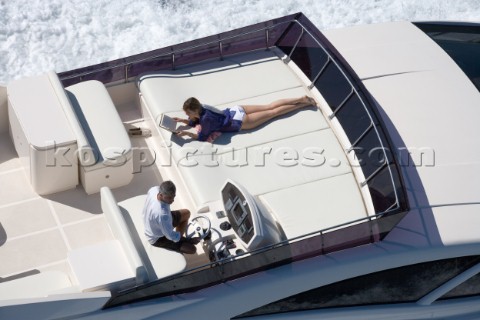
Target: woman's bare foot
(311,101)
(303,100)
(307,101)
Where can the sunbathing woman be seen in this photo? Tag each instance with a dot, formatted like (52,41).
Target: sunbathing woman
(236,118)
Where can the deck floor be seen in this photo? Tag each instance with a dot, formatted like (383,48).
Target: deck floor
(36,232)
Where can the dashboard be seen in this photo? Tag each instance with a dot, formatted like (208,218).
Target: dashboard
(238,212)
(238,225)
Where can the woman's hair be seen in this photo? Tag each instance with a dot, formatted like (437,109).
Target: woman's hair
(192,104)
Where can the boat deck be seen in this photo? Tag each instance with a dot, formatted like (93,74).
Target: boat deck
(37,232)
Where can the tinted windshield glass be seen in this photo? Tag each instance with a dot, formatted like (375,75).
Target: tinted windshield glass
(461,42)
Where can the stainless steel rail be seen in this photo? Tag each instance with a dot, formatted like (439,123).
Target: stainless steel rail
(287,242)
(353,91)
(372,124)
(303,31)
(218,42)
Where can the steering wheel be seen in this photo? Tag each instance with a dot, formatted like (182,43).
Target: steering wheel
(199,227)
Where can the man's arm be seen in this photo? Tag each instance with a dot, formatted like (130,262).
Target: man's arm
(167,228)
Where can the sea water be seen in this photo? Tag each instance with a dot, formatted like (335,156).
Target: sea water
(41,35)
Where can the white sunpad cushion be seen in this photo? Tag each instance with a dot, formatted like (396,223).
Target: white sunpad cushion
(323,203)
(166,92)
(302,122)
(229,62)
(266,172)
(291,124)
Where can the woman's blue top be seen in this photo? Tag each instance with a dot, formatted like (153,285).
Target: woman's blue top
(212,120)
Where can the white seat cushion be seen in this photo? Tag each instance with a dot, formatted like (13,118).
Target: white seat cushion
(100,121)
(264,172)
(163,261)
(34,286)
(166,91)
(292,124)
(321,203)
(121,231)
(102,265)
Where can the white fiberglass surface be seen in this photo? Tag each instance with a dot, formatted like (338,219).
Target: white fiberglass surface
(37,232)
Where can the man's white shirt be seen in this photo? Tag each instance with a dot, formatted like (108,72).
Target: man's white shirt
(157,218)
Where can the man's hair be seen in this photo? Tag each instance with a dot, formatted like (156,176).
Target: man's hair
(192,104)
(167,188)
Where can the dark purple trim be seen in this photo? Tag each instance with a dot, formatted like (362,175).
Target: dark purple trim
(352,236)
(281,30)
(366,97)
(450,26)
(188,52)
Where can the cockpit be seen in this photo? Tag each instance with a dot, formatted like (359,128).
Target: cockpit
(234,225)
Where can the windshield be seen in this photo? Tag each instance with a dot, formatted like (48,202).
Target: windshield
(461,41)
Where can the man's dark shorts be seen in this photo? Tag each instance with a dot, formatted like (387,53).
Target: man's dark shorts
(163,242)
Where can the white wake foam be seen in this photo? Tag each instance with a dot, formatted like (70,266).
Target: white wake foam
(59,35)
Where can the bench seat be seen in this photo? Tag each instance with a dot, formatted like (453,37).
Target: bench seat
(125,220)
(41,133)
(105,154)
(109,265)
(103,266)
(163,262)
(84,134)
(120,229)
(35,286)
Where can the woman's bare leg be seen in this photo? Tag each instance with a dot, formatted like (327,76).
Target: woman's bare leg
(253,120)
(276,104)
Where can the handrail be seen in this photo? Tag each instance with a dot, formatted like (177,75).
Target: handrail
(283,243)
(334,113)
(307,235)
(220,41)
(363,183)
(174,52)
(296,43)
(319,74)
(322,233)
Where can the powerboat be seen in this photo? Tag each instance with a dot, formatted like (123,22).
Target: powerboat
(362,206)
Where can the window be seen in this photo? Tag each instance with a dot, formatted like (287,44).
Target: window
(309,57)
(349,100)
(354,118)
(381,189)
(461,42)
(403,284)
(333,86)
(471,287)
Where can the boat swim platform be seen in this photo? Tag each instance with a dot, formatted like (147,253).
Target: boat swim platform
(37,232)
